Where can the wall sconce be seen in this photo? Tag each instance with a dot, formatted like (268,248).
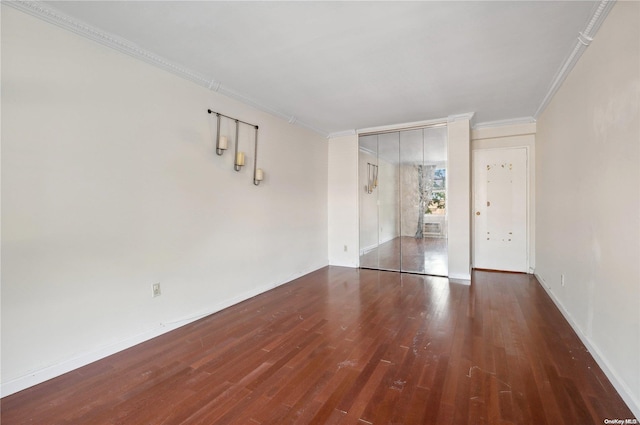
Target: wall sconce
(372,177)
(222,143)
(258,174)
(238,162)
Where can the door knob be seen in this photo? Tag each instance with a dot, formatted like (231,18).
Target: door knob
(477,212)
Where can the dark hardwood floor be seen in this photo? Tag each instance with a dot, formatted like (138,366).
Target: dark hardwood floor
(347,346)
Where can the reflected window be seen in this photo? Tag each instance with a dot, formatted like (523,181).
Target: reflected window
(438,200)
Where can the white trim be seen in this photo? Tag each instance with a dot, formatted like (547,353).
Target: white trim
(348,264)
(375,245)
(344,133)
(401,127)
(598,16)
(461,117)
(41,375)
(506,131)
(463,279)
(368,151)
(501,123)
(49,14)
(619,385)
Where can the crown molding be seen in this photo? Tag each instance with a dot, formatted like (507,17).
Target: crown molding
(400,127)
(49,14)
(502,123)
(342,134)
(369,151)
(468,116)
(583,40)
(503,131)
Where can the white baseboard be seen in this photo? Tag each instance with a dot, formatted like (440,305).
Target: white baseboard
(618,384)
(375,245)
(49,372)
(462,278)
(339,263)
(41,375)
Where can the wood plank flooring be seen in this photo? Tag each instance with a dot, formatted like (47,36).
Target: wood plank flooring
(347,346)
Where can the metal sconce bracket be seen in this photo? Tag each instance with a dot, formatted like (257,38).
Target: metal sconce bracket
(238,159)
(219,150)
(258,174)
(372,177)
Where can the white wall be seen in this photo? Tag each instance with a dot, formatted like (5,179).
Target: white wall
(588,201)
(512,136)
(110,183)
(458,200)
(343,201)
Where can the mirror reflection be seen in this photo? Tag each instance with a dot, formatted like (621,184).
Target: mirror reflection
(403,201)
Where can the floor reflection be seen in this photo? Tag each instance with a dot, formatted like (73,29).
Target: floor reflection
(408,254)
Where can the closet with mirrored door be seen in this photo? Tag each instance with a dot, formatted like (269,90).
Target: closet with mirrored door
(402,179)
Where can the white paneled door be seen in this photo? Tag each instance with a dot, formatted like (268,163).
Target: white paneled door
(500,214)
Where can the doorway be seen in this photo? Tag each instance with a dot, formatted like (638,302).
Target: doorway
(500,209)
(403,200)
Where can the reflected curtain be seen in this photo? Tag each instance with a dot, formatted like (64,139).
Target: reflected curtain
(425,186)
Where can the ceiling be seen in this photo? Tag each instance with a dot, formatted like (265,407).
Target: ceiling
(339,66)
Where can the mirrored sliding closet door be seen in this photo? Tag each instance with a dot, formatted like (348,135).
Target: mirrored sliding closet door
(403,208)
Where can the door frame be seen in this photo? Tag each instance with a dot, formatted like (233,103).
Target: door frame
(528,198)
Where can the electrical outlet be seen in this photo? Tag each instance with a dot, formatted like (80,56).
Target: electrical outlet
(345,248)
(155,290)
(562,280)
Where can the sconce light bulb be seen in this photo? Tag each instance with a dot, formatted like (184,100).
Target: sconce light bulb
(240,158)
(223,143)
